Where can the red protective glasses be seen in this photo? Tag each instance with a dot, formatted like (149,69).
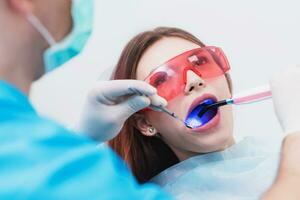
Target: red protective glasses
(170,78)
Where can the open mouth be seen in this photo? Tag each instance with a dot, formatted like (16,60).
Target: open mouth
(194,120)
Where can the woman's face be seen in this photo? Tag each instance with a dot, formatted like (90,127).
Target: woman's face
(185,142)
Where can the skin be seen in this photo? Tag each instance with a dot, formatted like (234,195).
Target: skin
(20,39)
(183,141)
(286,185)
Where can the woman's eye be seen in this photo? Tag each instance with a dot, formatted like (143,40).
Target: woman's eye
(158,78)
(198,60)
(201,60)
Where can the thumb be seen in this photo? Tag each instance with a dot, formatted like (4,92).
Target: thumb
(132,105)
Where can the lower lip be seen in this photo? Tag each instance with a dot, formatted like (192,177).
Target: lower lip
(212,123)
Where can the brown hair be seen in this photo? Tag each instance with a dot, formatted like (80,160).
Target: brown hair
(146,156)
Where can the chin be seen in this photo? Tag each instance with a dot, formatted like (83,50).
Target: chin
(215,141)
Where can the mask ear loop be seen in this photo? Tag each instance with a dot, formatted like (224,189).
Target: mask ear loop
(36,23)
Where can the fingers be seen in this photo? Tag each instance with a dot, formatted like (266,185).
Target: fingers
(157,100)
(112,92)
(119,88)
(132,105)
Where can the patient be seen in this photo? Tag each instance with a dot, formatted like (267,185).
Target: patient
(204,162)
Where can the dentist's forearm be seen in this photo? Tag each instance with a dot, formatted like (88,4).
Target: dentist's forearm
(286,185)
(284,188)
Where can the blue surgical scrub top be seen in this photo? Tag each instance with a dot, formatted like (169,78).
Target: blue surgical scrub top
(39,159)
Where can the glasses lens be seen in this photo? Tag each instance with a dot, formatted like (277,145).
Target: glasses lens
(167,80)
(208,62)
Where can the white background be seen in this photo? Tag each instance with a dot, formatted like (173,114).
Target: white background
(259,37)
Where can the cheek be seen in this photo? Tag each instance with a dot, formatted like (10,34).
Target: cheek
(227,118)
(162,122)
(220,84)
(171,130)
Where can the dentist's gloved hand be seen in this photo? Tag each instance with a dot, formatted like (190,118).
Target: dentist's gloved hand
(110,103)
(285,88)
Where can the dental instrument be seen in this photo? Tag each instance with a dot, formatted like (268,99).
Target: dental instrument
(254,95)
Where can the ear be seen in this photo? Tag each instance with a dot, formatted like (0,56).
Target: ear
(21,6)
(144,126)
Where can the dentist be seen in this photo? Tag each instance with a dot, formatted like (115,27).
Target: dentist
(39,159)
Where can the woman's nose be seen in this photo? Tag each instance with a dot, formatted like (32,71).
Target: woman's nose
(193,82)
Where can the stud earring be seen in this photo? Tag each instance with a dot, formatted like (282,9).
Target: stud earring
(151,129)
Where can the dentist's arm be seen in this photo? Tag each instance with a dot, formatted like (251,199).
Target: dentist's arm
(110,103)
(286,96)
(286,185)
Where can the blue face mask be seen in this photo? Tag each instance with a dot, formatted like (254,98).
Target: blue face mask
(60,52)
